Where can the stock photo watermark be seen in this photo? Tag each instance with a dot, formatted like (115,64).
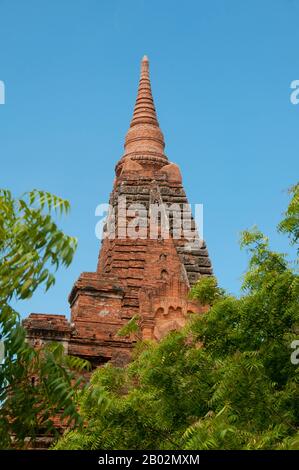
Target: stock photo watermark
(294,96)
(2,92)
(295,353)
(2,350)
(153,221)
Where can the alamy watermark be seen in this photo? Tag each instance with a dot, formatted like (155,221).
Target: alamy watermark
(295,353)
(2,350)
(2,92)
(153,221)
(294,96)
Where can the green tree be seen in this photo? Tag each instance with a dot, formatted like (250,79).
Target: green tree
(290,223)
(31,249)
(226,381)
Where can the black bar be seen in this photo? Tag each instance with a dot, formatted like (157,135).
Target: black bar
(135,459)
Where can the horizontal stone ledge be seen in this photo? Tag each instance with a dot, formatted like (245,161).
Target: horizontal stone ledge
(197,269)
(193,251)
(196,259)
(206,271)
(131,303)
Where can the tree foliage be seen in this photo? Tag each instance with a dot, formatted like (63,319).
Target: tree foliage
(35,385)
(290,223)
(224,382)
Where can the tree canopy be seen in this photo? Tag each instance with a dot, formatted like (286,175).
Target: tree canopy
(226,381)
(32,248)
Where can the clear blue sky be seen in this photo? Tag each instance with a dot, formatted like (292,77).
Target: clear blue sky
(221,73)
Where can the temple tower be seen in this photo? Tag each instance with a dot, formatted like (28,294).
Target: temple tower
(150,256)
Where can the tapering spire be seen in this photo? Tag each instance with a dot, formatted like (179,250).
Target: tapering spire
(144,111)
(144,140)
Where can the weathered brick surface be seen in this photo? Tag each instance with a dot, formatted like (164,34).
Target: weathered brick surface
(142,276)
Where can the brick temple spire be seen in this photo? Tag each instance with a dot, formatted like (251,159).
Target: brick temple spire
(144,141)
(138,273)
(144,111)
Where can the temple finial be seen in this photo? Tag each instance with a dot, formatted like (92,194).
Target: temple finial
(144,139)
(144,111)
